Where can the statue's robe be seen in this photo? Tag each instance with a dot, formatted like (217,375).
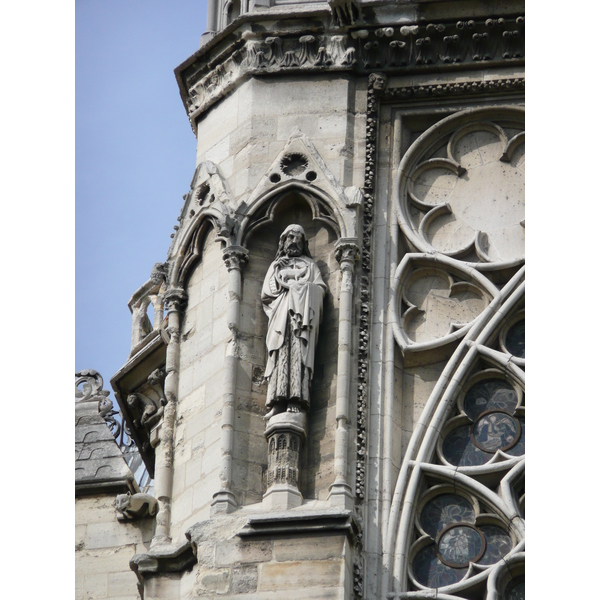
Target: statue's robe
(294,314)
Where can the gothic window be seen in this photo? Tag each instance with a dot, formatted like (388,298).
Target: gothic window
(456,521)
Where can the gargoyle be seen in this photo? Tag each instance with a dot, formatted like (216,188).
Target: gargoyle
(137,506)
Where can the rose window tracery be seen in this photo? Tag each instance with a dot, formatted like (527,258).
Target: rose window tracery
(491,422)
(462,188)
(455,534)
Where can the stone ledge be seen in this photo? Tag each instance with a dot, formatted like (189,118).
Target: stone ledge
(300,522)
(95,486)
(168,559)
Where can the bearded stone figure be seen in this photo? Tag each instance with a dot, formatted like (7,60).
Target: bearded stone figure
(292,297)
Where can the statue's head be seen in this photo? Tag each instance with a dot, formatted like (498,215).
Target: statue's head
(293,242)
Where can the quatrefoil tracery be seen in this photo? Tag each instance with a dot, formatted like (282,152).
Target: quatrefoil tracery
(461,188)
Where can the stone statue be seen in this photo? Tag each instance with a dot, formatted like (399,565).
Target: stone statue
(292,297)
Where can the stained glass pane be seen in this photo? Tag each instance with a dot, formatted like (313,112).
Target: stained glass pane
(515,339)
(498,544)
(459,449)
(430,571)
(519,448)
(516,590)
(459,545)
(445,510)
(490,394)
(496,431)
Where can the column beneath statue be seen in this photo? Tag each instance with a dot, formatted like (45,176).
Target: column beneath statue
(285,433)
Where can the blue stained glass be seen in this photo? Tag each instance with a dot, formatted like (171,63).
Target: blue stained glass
(516,590)
(445,510)
(498,544)
(496,431)
(519,448)
(459,545)
(490,394)
(515,339)
(430,571)
(459,449)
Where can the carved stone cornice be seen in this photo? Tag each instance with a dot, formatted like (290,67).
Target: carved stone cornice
(410,48)
(492,86)
(235,257)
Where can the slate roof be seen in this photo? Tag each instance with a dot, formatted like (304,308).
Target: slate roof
(99,463)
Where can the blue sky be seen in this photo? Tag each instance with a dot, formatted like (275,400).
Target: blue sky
(135,157)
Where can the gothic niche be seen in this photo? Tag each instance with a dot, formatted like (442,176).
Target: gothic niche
(292,297)
(300,423)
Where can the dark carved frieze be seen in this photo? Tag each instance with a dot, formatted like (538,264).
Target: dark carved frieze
(391,49)
(514,84)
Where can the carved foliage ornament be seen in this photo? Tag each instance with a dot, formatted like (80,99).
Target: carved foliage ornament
(461,188)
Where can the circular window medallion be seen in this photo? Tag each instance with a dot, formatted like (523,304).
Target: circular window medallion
(458,545)
(462,188)
(495,430)
(490,394)
(294,164)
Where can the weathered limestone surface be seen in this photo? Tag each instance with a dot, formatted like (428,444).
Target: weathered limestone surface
(393,133)
(104,547)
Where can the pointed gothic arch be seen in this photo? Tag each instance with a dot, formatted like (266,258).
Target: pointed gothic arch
(414,556)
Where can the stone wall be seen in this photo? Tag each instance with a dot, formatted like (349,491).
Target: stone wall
(204,336)
(104,547)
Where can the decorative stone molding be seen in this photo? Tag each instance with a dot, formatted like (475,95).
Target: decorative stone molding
(300,166)
(446,43)
(344,12)
(300,521)
(166,559)
(88,387)
(389,48)
(491,86)
(377,84)
(268,54)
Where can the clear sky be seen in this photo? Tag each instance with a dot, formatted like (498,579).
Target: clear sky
(135,157)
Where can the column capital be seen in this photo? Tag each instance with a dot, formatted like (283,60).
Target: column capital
(175,299)
(347,250)
(235,257)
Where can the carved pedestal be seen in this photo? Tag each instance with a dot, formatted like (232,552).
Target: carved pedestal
(285,433)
